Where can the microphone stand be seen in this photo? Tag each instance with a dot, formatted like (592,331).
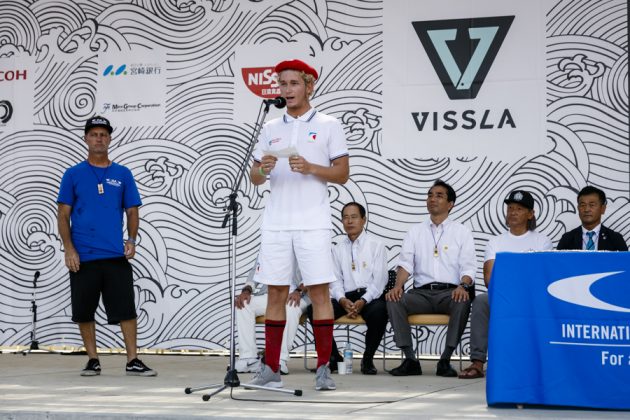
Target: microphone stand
(231,379)
(34,343)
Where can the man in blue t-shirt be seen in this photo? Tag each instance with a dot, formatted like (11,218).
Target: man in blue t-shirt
(92,199)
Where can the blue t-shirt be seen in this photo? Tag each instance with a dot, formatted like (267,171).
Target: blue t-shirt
(96,220)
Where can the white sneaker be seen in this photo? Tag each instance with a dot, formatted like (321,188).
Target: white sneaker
(266,377)
(247,365)
(284,369)
(323,380)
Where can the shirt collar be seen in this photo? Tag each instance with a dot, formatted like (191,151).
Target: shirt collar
(306,117)
(360,239)
(444,224)
(596,230)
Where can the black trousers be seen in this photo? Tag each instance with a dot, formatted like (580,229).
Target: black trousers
(375,316)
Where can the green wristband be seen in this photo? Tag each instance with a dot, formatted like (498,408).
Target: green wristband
(261,171)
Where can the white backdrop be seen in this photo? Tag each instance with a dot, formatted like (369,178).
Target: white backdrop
(185,150)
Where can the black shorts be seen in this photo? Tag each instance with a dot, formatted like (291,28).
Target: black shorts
(111,278)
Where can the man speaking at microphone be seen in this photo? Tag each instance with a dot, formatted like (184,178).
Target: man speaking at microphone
(300,153)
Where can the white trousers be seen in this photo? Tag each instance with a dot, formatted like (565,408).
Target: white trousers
(246,327)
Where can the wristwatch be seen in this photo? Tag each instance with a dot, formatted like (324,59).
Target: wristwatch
(465,286)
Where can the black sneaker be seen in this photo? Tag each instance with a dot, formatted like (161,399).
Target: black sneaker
(93,368)
(137,368)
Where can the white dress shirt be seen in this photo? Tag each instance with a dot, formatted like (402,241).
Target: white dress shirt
(361,264)
(451,241)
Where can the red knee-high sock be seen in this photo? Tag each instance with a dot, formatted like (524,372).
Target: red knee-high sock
(273,342)
(323,332)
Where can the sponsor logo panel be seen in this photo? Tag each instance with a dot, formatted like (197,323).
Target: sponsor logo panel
(463,80)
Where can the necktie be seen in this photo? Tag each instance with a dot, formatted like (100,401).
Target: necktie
(590,245)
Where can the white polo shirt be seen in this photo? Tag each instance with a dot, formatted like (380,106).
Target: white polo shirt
(297,201)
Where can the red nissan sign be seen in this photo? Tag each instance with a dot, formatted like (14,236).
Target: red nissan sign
(261,81)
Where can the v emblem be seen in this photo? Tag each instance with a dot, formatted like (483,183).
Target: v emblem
(463,50)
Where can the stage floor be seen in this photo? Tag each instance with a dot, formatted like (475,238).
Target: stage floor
(46,386)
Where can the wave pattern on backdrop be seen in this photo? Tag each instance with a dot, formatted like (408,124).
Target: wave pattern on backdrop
(185,167)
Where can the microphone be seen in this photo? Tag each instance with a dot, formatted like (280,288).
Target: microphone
(278,102)
(35,278)
(36,275)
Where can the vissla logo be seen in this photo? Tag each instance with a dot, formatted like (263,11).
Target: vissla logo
(577,290)
(463,50)
(6,111)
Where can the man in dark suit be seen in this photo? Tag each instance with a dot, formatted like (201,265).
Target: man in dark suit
(592,235)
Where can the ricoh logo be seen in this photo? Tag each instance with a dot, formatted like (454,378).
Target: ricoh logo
(11,75)
(461,52)
(261,81)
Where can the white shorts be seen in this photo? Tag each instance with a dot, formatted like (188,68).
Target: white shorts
(279,250)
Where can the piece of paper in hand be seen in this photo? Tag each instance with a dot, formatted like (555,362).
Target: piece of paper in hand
(283,153)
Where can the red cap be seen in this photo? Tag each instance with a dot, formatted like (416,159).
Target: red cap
(298,65)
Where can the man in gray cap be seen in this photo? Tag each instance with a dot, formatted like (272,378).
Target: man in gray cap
(521,237)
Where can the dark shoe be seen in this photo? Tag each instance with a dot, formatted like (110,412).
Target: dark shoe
(368,368)
(407,368)
(137,368)
(445,369)
(93,368)
(332,365)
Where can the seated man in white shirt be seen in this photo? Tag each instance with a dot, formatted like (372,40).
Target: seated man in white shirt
(521,237)
(251,303)
(440,255)
(360,264)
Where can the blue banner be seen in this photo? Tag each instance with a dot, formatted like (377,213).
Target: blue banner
(560,329)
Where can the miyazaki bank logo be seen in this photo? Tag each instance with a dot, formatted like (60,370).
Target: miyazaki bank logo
(463,50)
(109,70)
